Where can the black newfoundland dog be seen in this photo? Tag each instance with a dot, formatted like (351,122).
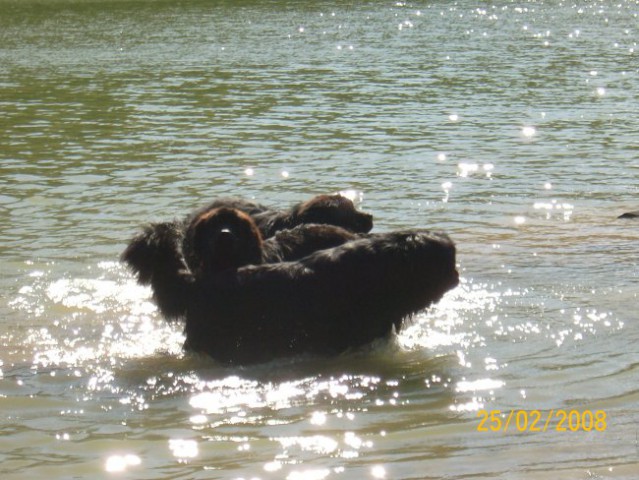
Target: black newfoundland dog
(245,299)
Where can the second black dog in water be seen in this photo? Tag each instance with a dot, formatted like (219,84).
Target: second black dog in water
(633,214)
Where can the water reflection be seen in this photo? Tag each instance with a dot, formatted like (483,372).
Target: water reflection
(120,463)
(183,450)
(107,347)
(488,121)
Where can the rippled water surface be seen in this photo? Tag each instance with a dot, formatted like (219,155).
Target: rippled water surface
(513,126)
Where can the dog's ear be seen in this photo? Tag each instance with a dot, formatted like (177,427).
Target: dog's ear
(149,250)
(155,257)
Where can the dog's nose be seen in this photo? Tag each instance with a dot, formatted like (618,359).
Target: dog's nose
(225,239)
(365,223)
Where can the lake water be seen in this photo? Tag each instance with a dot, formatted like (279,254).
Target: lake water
(513,126)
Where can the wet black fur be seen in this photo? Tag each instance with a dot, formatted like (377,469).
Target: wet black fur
(192,244)
(191,249)
(334,210)
(324,303)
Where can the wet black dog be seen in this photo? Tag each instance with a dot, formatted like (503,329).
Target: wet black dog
(334,210)
(222,237)
(238,309)
(633,214)
(214,240)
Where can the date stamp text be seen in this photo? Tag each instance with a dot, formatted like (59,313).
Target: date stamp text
(542,421)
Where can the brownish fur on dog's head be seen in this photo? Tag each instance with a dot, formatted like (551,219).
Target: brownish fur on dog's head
(221,238)
(334,210)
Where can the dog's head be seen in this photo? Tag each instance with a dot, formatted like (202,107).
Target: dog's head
(221,238)
(334,210)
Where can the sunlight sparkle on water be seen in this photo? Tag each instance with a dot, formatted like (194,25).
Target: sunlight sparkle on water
(183,449)
(478,385)
(353,195)
(318,418)
(273,466)
(488,169)
(198,419)
(309,474)
(235,394)
(229,394)
(471,406)
(119,463)
(378,471)
(444,325)
(405,24)
(316,443)
(98,296)
(356,442)
(465,169)
(564,209)
(126,320)
(280,396)
(446,186)
(528,131)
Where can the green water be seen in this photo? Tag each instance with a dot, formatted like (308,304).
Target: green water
(512,126)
